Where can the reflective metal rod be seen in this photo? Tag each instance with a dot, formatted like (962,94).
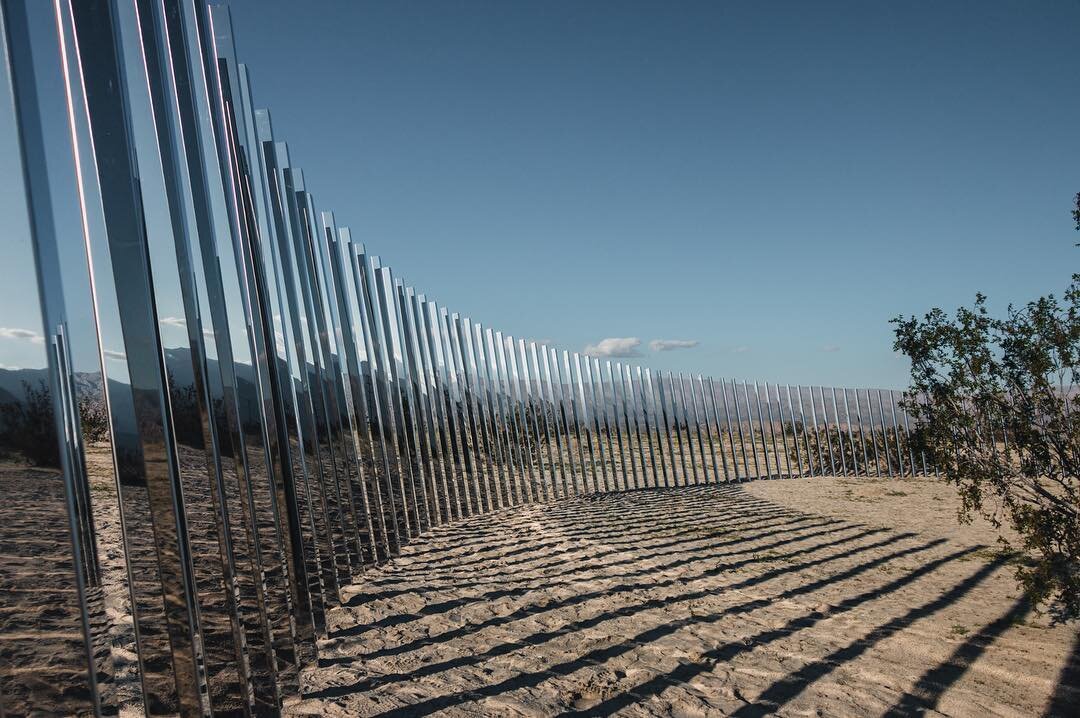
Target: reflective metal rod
(672,399)
(474,401)
(575,417)
(817,433)
(512,411)
(862,434)
(631,400)
(544,407)
(873,434)
(738,428)
(326,414)
(712,462)
(265,461)
(884,433)
(642,477)
(708,399)
(597,399)
(353,449)
(794,430)
(466,415)
(727,422)
(805,432)
(563,422)
(911,447)
(896,434)
(611,418)
(583,417)
(152,470)
(298,491)
(556,418)
(489,408)
(772,430)
(416,404)
(658,447)
(839,435)
(390,354)
(667,427)
(519,402)
(622,416)
(52,660)
(689,415)
(750,427)
(352,344)
(441,451)
(761,427)
(213,570)
(828,429)
(643,398)
(407,411)
(351,507)
(503,425)
(783,432)
(456,425)
(377,389)
(851,433)
(538,427)
(453,447)
(423,427)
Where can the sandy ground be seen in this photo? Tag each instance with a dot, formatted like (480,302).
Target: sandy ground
(846,597)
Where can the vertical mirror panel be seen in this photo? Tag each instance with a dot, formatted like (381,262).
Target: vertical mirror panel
(181,335)
(217,410)
(46,553)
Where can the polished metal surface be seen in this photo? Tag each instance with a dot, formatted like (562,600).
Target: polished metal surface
(225,409)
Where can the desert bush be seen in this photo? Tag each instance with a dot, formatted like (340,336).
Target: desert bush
(993,402)
(28,427)
(93,419)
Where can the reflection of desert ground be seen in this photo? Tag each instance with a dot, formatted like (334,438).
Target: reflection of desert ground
(797,597)
(41,644)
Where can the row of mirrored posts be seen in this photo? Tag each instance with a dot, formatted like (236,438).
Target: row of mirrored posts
(217,409)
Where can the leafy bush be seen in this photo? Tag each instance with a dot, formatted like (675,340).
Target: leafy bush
(28,427)
(994,403)
(93,419)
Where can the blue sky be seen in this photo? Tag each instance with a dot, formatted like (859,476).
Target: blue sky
(773,181)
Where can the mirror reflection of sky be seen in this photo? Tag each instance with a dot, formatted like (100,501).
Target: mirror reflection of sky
(772,183)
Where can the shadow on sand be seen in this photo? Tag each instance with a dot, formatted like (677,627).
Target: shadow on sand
(655,557)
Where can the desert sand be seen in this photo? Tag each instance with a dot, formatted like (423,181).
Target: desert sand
(846,597)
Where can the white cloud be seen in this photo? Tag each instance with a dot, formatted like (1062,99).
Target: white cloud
(830,348)
(178,322)
(15,333)
(666,345)
(614,347)
(115,356)
(740,349)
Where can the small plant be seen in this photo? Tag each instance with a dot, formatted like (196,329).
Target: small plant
(29,428)
(93,419)
(994,401)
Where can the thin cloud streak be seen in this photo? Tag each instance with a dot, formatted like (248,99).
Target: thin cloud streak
(16,333)
(667,345)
